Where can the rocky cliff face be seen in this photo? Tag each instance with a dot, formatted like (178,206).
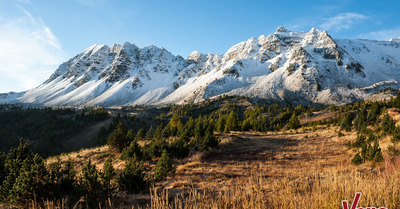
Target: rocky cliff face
(296,67)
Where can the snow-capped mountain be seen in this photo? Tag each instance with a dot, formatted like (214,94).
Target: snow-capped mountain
(297,67)
(395,39)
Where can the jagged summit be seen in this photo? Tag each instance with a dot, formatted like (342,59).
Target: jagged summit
(395,40)
(281,29)
(293,67)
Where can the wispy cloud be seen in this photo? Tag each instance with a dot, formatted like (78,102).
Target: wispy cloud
(382,34)
(342,21)
(29,52)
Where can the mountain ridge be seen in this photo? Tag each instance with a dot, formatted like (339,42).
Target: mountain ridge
(294,67)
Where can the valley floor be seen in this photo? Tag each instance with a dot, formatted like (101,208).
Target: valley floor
(263,170)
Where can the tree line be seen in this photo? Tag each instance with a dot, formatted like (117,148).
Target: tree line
(43,127)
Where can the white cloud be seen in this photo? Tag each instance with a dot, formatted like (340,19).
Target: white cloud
(342,21)
(29,52)
(383,35)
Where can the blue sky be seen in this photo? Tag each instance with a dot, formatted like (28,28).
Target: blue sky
(38,35)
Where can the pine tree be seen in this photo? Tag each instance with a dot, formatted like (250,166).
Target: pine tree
(90,185)
(189,127)
(150,133)
(184,133)
(374,152)
(132,178)
(346,123)
(388,124)
(199,128)
(12,166)
(130,136)
(158,131)
(221,124)
(359,141)
(357,160)
(232,122)
(397,100)
(55,176)
(294,122)
(396,135)
(107,176)
(67,181)
(179,148)
(7,185)
(374,112)
(360,121)
(32,183)
(164,167)
(117,138)
(209,140)
(175,123)
(3,172)
(141,134)
(166,132)
(155,148)
(131,150)
(246,125)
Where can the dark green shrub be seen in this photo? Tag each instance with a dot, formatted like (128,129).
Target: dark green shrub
(294,122)
(132,150)
(346,123)
(132,178)
(90,186)
(118,138)
(164,167)
(154,148)
(32,182)
(388,124)
(359,141)
(209,141)
(232,122)
(357,160)
(62,179)
(179,148)
(107,177)
(360,121)
(396,135)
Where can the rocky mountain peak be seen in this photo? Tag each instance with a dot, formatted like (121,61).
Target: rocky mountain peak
(281,29)
(395,40)
(295,67)
(320,39)
(196,56)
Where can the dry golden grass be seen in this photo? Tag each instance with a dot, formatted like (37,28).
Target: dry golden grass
(395,114)
(274,156)
(96,155)
(314,190)
(267,170)
(280,171)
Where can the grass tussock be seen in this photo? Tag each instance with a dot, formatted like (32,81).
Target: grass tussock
(316,190)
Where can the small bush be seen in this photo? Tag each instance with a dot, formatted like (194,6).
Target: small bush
(155,148)
(132,150)
(132,178)
(357,160)
(179,148)
(164,167)
(118,138)
(209,141)
(378,157)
